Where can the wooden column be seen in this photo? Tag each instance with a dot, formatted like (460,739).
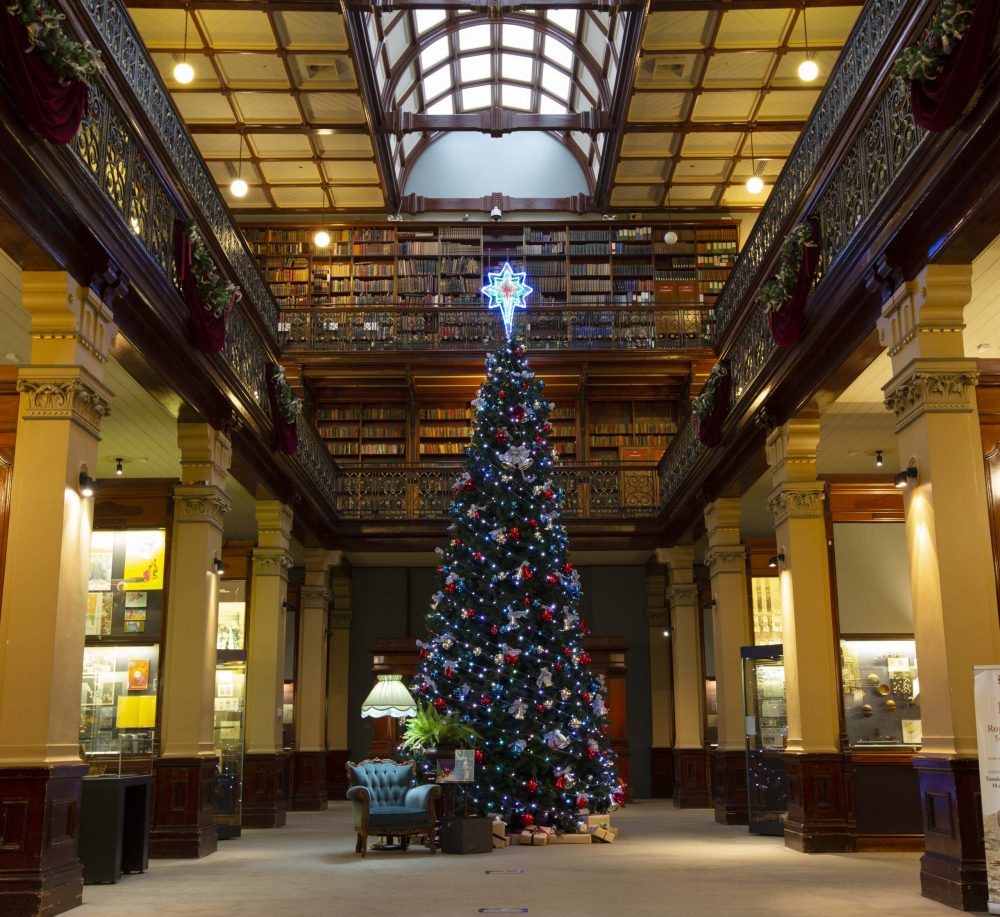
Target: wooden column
(726,558)
(691,784)
(62,403)
(952,583)
(264,803)
(309,761)
(338,669)
(183,821)
(661,753)
(818,800)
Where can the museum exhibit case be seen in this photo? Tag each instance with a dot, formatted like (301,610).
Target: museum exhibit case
(766,736)
(230,706)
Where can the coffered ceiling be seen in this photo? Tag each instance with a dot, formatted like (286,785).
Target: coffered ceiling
(332,104)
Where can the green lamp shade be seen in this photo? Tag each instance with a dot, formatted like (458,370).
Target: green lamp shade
(389,697)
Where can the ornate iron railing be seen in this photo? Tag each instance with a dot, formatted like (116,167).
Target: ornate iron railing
(125,48)
(393,492)
(874,25)
(457,328)
(878,154)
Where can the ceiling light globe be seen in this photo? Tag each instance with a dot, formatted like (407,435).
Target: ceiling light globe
(755,184)
(183,72)
(670,237)
(239,188)
(321,239)
(808,70)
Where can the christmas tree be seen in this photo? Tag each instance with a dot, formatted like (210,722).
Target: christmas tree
(507,651)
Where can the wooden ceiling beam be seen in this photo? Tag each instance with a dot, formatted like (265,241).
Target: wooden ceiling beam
(496,121)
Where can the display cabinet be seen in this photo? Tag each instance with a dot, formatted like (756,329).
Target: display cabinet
(881,692)
(766,736)
(230,706)
(118,702)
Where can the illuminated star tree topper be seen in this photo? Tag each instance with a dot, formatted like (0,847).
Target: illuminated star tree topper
(507,292)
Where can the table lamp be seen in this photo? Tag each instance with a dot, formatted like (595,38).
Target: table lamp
(389,698)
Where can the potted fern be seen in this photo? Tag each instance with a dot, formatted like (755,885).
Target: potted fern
(435,735)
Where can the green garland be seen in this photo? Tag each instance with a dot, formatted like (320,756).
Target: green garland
(774,293)
(704,404)
(68,58)
(947,27)
(217,295)
(288,404)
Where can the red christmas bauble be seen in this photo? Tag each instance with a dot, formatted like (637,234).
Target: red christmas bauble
(531,785)
(449,672)
(567,651)
(477,555)
(552,579)
(567,568)
(539,440)
(510,658)
(424,654)
(524,386)
(559,666)
(517,413)
(439,703)
(533,523)
(581,802)
(584,629)
(479,756)
(540,708)
(502,393)
(584,658)
(549,495)
(560,782)
(469,485)
(514,532)
(457,543)
(424,688)
(586,696)
(547,615)
(486,700)
(526,572)
(618,798)
(546,427)
(527,600)
(449,588)
(528,818)
(468,613)
(518,351)
(494,630)
(591,752)
(501,436)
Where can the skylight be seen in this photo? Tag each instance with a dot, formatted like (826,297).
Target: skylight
(565,19)
(516,67)
(549,106)
(556,51)
(476,97)
(515,97)
(555,81)
(474,36)
(434,53)
(445,106)
(436,83)
(427,19)
(518,37)
(476,69)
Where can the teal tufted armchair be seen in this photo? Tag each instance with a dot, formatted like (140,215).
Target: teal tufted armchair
(387,804)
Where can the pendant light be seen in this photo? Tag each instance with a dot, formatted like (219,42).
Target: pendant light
(808,69)
(670,236)
(183,71)
(321,238)
(755,184)
(239,187)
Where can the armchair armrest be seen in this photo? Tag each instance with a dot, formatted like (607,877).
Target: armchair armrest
(421,796)
(359,794)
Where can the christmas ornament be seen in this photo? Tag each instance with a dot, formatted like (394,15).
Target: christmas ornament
(581,802)
(515,532)
(507,291)
(439,703)
(531,785)
(528,819)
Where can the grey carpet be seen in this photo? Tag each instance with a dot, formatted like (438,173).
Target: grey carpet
(666,862)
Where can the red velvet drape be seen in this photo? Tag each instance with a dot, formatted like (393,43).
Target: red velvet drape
(287,434)
(710,430)
(209,329)
(938,104)
(53,108)
(785,323)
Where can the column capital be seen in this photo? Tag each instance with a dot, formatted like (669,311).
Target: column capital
(797,500)
(657,617)
(925,317)
(63,393)
(726,559)
(200,503)
(206,454)
(316,598)
(722,520)
(274,524)
(340,620)
(791,450)
(931,387)
(682,594)
(269,561)
(677,558)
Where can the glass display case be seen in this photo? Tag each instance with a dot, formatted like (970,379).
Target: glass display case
(881,691)
(230,706)
(766,736)
(118,700)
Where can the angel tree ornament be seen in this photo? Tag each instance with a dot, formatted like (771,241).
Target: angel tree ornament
(507,291)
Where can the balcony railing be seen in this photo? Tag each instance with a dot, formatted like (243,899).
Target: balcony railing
(566,327)
(881,149)
(400,492)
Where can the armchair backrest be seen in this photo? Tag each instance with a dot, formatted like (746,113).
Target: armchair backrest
(386,781)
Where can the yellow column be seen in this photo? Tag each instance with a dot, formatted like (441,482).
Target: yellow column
(691,786)
(338,669)
(62,403)
(183,819)
(661,695)
(264,803)
(951,561)
(309,781)
(817,800)
(726,560)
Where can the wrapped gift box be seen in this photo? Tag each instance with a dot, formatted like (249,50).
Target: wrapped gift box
(499,843)
(604,835)
(602,821)
(499,829)
(575,838)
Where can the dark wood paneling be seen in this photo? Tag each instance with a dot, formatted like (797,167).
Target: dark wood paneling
(661,771)
(309,793)
(885,791)
(692,778)
(819,804)
(264,802)
(731,804)
(872,500)
(336,773)
(183,820)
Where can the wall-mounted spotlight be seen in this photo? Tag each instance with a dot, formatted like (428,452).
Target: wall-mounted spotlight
(711,603)
(218,566)
(878,458)
(776,561)
(905,478)
(87,485)
(666,633)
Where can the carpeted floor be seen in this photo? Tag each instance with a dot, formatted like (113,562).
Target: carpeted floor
(666,862)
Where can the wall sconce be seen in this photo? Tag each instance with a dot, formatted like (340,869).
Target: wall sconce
(776,561)
(87,485)
(218,566)
(905,478)
(666,633)
(711,603)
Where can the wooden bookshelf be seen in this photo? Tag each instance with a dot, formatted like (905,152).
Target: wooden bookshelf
(629,431)
(444,432)
(364,432)
(614,265)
